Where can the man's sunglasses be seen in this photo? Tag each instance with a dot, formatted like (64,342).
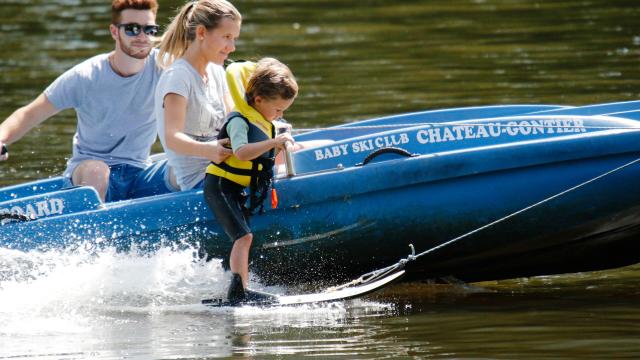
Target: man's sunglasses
(134,29)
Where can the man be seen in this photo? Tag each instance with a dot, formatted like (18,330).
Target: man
(112,95)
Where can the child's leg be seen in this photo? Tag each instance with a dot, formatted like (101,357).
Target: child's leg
(225,200)
(239,258)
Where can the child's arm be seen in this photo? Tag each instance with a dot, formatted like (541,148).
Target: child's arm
(253,150)
(243,149)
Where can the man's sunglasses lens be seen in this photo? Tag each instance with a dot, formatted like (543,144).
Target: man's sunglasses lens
(135,29)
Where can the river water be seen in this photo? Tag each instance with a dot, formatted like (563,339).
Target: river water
(353,60)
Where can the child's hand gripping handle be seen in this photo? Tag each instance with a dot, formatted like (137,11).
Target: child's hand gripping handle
(288,159)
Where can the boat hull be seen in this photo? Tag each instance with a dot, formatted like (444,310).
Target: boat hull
(580,231)
(526,205)
(338,236)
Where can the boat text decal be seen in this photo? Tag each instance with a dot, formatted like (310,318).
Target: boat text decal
(37,209)
(448,133)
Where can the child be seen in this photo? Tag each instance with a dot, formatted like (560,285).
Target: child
(271,89)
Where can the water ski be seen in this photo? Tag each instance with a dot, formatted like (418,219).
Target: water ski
(329,295)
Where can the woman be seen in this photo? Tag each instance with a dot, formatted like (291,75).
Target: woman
(192,97)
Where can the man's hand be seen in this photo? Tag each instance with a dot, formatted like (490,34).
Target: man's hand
(220,152)
(4,152)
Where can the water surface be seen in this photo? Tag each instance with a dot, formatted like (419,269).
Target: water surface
(353,60)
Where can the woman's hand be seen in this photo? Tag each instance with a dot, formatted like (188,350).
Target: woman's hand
(219,152)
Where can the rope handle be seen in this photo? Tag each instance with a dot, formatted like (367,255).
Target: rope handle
(386,150)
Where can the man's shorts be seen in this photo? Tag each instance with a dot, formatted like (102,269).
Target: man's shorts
(129,182)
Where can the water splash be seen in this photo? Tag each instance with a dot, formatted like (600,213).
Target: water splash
(72,284)
(87,303)
(59,290)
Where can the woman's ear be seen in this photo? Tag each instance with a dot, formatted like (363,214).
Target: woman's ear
(200,32)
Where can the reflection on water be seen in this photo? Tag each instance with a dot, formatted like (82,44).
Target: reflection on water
(353,60)
(589,315)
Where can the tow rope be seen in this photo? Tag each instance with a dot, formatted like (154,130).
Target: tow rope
(380,273)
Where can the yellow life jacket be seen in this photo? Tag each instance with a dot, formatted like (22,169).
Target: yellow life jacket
(257,173)
(244,172)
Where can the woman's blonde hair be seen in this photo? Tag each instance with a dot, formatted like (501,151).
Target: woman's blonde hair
(270,80)
(182,30)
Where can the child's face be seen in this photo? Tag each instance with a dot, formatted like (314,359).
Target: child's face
(272,109)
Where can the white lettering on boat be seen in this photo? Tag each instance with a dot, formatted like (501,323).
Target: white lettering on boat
(512,128)
(37,209)
(362,145)
(450,133)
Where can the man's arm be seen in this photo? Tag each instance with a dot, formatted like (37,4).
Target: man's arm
(25,119)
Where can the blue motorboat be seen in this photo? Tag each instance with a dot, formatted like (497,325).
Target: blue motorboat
(522,189)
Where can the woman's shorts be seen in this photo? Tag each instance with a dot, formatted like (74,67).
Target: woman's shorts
(226,199)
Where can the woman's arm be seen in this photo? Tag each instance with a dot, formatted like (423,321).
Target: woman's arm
(228,102)
(175,109)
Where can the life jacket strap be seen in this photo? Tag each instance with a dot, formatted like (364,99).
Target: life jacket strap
(260,184)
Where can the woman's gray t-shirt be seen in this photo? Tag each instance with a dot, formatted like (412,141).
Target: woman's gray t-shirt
(204,118)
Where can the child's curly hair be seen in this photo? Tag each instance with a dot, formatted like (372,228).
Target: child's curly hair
(271,79)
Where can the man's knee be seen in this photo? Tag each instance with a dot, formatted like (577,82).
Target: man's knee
(91,169)
(92,173)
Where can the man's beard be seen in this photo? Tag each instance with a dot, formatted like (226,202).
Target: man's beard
(135,53)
